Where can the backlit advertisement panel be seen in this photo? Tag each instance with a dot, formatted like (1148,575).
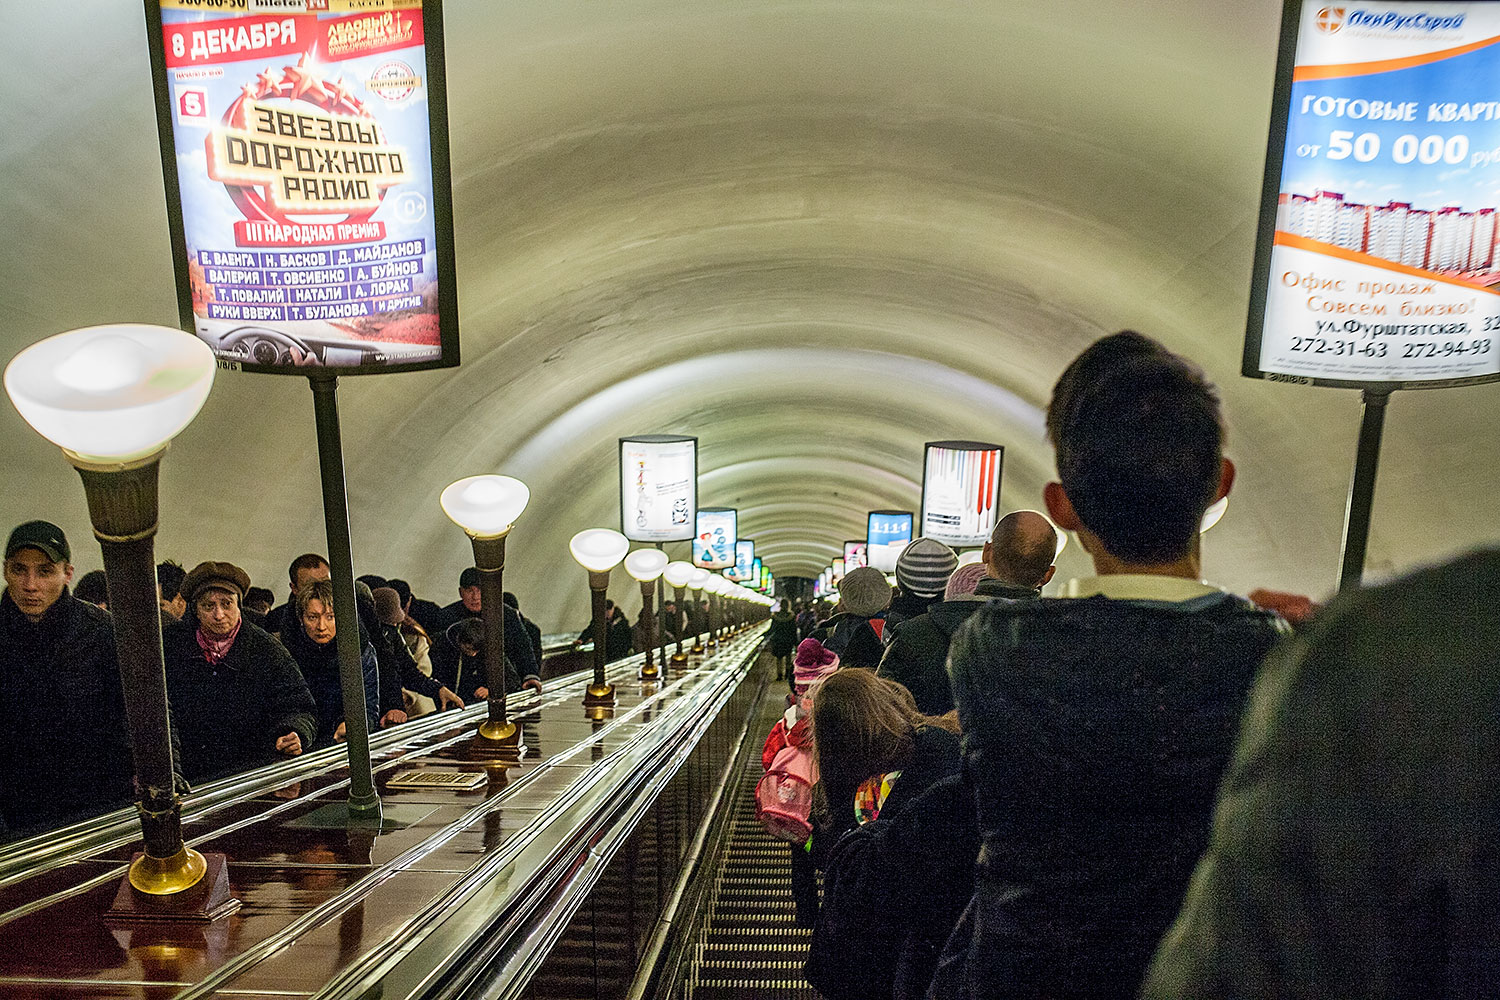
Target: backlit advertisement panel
(658,487)
(1376,260)
(744,561)
(854,555)
(961,491)
(714,544)
(887,533)
(305,150)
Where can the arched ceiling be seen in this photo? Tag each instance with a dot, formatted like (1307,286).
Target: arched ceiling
(814,234)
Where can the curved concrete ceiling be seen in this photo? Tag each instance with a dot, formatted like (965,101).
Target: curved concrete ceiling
(814,234)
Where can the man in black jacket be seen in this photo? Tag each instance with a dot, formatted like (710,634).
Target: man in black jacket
(1097,726)
(1018,563)
(67,752)
(448,664)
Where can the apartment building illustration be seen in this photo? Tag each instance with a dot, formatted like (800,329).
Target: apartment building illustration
(1448,240)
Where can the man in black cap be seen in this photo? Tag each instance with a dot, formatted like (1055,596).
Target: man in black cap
(68,751)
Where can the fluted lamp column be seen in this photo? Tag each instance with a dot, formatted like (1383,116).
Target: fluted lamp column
(113,398)
(645,566)
(714,588)
(487,507)
(599,550)
(677,574)
(695,584)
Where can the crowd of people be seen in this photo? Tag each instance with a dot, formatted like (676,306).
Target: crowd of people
(247,683)
(1144,785)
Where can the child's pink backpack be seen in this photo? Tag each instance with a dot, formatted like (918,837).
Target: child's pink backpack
(783,798)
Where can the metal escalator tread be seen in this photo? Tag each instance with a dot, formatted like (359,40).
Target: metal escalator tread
(747,946)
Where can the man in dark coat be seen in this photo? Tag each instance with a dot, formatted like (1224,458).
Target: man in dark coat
(1018,563)
(67,751)
(447,657)
(1097,725)
(306,569)
(1356,851)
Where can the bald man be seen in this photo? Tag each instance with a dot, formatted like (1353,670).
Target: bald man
(1018,563)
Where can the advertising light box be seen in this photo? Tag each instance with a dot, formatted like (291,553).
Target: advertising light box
(714,544)
(854,555)
(305,152)
(887,533)
(658,487)
(744,561)
(1376,260)
(961,491)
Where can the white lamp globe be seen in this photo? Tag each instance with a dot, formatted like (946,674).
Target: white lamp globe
(1214,514)
(699,578)
(645,565)
(678,573)
(111,393)
(485,506)
(971,556)
(716,584)
(599,550)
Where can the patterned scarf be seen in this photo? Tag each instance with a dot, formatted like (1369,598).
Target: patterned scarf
(214,650)
(871,796)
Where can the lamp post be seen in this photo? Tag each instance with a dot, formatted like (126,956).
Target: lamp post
(486,507)
(645,567)
(113,398)
(677,575)
(715,589)
(695,584)
(599,550)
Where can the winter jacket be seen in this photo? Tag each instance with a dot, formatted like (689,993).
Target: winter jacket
(518,644)
(67,752)
(464,675)
(893,888)
(1355,846)
(916,652)
(1095,738)
(231,714)
(320,666)
(782,634)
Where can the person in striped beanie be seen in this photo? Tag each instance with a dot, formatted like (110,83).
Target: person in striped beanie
(922,571)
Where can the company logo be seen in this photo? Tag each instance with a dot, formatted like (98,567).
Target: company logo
(1386,21)
(1330,20)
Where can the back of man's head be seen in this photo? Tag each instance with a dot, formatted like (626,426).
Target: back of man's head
(1139,447)
(1022,548)
(169,575)
(306,561)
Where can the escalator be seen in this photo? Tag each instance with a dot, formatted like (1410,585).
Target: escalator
(745,944)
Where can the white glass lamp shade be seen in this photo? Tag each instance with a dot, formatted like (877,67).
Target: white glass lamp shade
(699,578)
(677,574)
(599,550)
(1214,513)
(112,393)
(716,584)
(485,506)
(646,565)
(971,556)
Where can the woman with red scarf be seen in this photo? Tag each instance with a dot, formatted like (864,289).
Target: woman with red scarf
(238,699)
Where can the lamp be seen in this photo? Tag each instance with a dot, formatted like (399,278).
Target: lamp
(677,574)
(113,398)
(487,507)
(599,550)
(645,567)
(1214,513)
(695,583)
(713,587)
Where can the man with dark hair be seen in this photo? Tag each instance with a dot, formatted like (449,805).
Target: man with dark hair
(169,576)
(1018,563)
(66,752)
(470,604)
(425,614)
(306,569)
(1097,725)
(533,630)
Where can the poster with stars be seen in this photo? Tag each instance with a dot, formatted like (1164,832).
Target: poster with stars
(305,151)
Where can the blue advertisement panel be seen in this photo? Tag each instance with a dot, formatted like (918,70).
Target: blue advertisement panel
(1377,258)
(744,561)
(887,533)
(307,180)
(714,544)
